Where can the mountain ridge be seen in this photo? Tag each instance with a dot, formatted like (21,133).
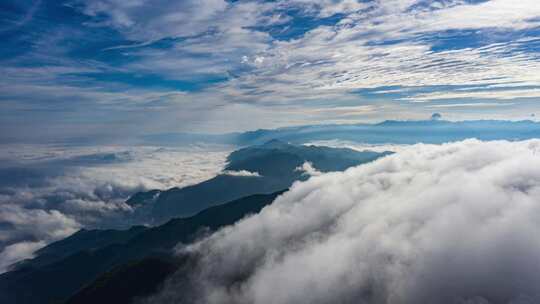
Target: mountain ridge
(274,166)
(361,132)
(79,269)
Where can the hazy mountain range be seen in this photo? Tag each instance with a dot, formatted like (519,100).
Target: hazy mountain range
(265,168)
(390,131)
(253,177)
(125,266)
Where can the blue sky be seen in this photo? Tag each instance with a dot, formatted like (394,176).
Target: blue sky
(79,69)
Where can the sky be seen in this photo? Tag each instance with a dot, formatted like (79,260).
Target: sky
(108,70)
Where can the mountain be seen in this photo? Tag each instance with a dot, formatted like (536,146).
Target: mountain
(95,256)
(401,132)
(63,268)
(256,169)
(127,282)
(83,240)
(390,131)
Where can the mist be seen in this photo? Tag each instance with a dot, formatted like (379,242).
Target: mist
(451,223)
(49,192)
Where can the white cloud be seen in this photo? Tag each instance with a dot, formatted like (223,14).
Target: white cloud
(41,224)
(330,61)
(360,146)
(454,223)
(501,95)
(243,173)
(325,8)
(494,13)
(49,192)
(152,21)
(308,169)
(16,252)
(472,105)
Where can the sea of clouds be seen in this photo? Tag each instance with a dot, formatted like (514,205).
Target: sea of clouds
(49,192)
(451,223)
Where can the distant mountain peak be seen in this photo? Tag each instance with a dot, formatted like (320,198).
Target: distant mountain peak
(275,143)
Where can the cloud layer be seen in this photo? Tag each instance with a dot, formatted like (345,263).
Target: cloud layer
(373,44)
(455,223)
(49,192)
